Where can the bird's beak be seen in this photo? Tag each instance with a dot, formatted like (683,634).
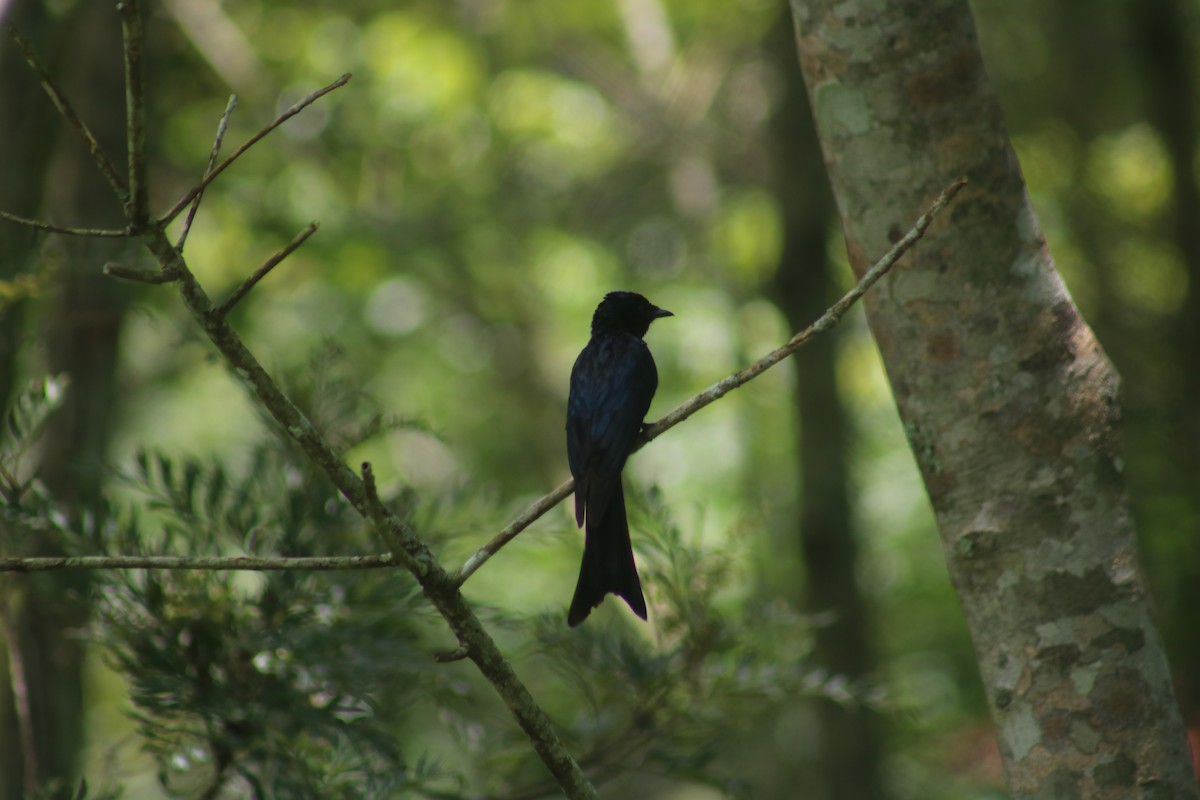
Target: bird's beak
(659,313)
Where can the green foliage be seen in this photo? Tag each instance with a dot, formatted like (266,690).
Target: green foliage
(491,169)
(324,684)
(670,703)
(20,433)
(23,287)
(293,684)
(283,682)
(313,685)
(83,791)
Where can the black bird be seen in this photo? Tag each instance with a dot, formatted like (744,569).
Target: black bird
(612,383)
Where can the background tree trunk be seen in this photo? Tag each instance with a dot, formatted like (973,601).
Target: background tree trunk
(1009,403)
(25,151)
(44,615)
(848,763)
(1171,93)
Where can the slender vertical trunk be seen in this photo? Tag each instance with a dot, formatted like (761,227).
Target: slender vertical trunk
(1010,405)
(1171,92)
(25,150)
(44,615)
(848,763)
(24,153)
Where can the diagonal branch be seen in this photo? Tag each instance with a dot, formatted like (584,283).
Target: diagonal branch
(404,543)
(222,310)
(526,518)
(825,322)
(64,107)
(222,126)
(253,140)
(726,385)
(46,226)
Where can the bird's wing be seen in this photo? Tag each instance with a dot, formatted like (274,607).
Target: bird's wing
(612,384)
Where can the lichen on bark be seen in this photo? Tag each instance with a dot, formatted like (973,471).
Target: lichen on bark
(1009,403)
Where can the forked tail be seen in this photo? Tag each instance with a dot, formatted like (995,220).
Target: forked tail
(608,565)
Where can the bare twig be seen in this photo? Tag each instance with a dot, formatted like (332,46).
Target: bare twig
(138,209)
(253,140)
(260,273)
(826,321)
(523,521)
(46,226)
(206,563)
(64,107)
(222,126)
(10,487)
(19,686)
(394,532)
(723,387)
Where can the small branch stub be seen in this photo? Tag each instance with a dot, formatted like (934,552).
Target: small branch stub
(457,654)
(139,275)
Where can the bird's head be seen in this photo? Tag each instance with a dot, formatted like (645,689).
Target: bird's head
(626,312)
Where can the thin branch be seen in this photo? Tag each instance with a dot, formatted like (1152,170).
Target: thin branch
(282,118)
(46,226)
(10,487)
(222,126)
(138,210)
(222,310)
(723,387)
(825,322)
(209,563)
(19,686)
(64,107)
(391,529)
(523,521)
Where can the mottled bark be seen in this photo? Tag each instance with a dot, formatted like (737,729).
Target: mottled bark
(848,762)
(1010,405)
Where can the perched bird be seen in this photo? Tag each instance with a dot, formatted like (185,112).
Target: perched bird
(612,383)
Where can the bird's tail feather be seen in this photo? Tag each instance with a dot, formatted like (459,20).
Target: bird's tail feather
(608,565)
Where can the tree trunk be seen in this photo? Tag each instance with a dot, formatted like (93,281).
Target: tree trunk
(1009,403)
(25,150)
(24,153)
(44,615)
(1170,91)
